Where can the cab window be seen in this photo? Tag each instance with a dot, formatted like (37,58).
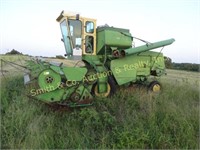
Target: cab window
(89,27)
(75,32)
(89,42)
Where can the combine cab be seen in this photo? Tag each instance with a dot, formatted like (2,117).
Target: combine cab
(109,61)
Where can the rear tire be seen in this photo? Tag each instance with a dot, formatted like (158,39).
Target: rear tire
(154,86)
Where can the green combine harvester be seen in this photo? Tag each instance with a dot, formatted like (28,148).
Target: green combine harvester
(109,59)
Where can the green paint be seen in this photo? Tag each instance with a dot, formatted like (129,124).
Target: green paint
(115,57)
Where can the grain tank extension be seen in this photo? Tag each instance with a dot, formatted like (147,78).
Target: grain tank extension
(109,60)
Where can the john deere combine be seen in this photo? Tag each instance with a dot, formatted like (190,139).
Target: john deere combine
(109,57)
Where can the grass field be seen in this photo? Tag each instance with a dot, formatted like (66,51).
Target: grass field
(11,69)
(133,118)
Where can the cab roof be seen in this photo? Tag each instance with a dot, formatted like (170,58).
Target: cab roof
(70,15)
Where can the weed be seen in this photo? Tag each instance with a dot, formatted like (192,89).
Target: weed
(133,118)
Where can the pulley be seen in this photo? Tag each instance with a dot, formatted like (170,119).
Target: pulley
(49,79)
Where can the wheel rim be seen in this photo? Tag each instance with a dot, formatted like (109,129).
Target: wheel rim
(102,94)
(49,80)
(156,88)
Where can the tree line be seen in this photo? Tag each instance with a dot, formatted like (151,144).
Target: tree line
(181,66)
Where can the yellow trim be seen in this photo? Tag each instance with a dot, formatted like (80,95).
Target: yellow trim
(102,94)
(89,34)
(67,16)
(156,88)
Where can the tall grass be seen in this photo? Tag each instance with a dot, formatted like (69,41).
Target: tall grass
(133,118)
(13,58)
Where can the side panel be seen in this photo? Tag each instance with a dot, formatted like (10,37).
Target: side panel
(74,73)
(127,69)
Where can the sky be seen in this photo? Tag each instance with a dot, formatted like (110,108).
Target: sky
(30,26)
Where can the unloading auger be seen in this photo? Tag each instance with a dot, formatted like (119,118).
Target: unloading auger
(109,61)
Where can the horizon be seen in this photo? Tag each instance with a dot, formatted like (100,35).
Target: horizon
(66,57)
(30,26)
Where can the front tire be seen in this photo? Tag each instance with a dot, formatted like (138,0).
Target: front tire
(111,88)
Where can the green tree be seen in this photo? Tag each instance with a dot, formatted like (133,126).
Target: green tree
(168,62)
(14,52)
